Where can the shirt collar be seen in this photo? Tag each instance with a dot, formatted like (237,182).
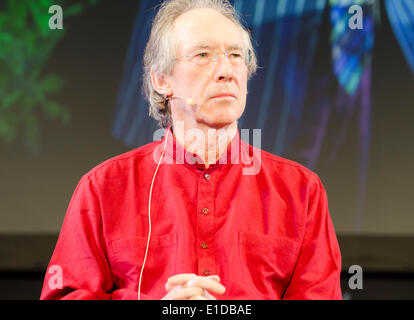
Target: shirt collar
(177,154)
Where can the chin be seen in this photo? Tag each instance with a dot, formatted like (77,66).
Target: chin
(222,119)
(220,114)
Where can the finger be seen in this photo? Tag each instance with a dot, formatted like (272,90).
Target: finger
(214,277)
(186,293)
(207,284)
(169,295)
(181,278)
(169,286)
(198,298)
(209,296)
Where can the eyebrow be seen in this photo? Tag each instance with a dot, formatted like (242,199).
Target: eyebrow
(207,46)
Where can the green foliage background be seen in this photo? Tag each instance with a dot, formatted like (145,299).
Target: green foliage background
(26,43)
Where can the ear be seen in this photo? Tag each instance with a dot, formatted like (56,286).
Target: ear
(160,83)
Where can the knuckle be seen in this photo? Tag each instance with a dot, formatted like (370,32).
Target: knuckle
(197,291)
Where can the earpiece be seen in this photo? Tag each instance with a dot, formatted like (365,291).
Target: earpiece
(191,102)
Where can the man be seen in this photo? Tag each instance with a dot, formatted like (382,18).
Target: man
(180,218)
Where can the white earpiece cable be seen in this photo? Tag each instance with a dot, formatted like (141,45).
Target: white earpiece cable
(149,217)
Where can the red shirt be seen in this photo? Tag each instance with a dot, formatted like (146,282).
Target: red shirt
(268,236)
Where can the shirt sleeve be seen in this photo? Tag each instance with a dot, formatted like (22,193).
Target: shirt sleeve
(317,272)
(79,268)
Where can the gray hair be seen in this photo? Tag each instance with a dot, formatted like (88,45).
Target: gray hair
(160,51)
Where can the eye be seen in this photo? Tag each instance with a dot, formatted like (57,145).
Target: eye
(202,55)
(235,55)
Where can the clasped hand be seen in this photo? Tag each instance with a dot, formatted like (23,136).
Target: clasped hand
(189,286)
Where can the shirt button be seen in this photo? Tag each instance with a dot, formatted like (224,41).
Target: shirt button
(206,272)
(204,245)
(205,211)
(207,176)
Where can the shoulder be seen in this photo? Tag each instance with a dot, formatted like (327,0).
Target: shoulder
(123,164)
(284,164)
(289,177)
(280,167)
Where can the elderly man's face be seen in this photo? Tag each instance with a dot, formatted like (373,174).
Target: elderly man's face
(219,88)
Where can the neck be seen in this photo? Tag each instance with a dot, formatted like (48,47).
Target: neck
(209,143)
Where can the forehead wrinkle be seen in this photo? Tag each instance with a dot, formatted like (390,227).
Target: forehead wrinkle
(203,45)
(184,23)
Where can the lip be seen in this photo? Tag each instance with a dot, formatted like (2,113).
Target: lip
(224,95)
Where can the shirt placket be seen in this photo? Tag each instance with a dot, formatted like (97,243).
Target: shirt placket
(205,224)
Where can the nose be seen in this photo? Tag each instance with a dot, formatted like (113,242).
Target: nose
(223,69)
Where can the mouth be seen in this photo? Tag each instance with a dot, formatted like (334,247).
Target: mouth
(224,96)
